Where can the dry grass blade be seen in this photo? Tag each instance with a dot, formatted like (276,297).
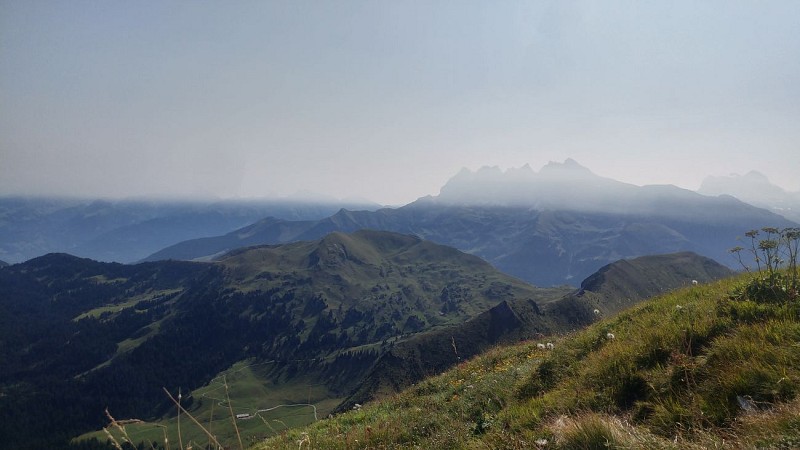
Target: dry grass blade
(111,438)
(233,417)
(119,425)
(180,438)
(210,436)
(210,419)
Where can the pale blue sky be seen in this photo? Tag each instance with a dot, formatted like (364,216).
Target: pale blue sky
(386,99)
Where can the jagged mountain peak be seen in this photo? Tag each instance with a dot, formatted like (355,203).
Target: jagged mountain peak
(568,166)
(568,185)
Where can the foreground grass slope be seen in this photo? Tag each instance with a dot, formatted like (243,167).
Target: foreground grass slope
(695,368)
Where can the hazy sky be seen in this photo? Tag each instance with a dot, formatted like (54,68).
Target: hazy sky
(388,99)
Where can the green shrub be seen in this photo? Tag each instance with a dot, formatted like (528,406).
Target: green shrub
(776,256)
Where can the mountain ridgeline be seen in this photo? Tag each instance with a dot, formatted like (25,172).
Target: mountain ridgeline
(557,226)
(356,315)
(129,230)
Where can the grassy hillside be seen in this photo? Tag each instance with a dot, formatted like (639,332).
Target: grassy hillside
(256,388)
(82,336)
(695,368)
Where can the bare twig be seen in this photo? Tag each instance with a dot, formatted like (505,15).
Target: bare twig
(233,417)
(210,436)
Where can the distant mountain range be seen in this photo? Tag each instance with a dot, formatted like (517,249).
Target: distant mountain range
(129,230)
(755,188)
(354,314)
(132,230)
(553,227)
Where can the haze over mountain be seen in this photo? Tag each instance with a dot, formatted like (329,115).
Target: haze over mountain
(351,314)
(564,186)
(389,98)
(552,227)
(755,188)
(122,102)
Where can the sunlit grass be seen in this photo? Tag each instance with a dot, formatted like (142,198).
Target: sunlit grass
(690,369)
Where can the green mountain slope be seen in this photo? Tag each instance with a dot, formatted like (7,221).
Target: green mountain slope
(408,359)
(694,368)
(335,320)
(82,336)
(616,286)
(405,360)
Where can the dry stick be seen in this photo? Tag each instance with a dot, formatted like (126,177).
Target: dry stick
(166,439)
(120,425)
(230,408)
(210,436)
(210,418)
(152,447)
(116,424)
(180,438)
(113,441)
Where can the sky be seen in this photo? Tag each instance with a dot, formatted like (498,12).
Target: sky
(386,100)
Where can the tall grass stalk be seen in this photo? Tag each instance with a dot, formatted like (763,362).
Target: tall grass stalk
(230,408)
(180,438)
(210,436)
(119,425)
(210,419)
